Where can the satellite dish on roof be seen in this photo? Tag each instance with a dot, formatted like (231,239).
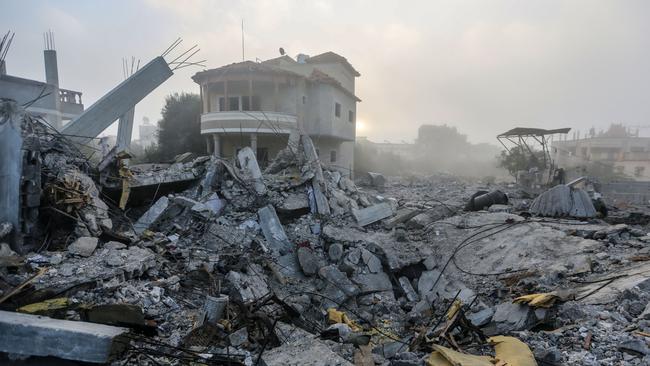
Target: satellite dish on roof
(281,51)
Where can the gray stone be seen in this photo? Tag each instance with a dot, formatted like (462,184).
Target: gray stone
(634,347)
(32,335)
(303,351)
(114,258)
(5,229)
(444,288)
(84,246)
(481,317)
(335,252)
(248,163)
(5,250)
(308,261)
(338,279)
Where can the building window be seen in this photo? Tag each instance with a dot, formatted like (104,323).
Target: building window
(350,116)
(333,156)
(337,110)
(620,169)
(222,104)
(233,103)
(245,105)
(638,171)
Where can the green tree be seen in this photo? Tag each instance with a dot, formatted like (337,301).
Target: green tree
(179,130)
(519,158)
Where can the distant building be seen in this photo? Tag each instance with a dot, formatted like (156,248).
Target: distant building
(148,133)
(402,149)
(259,104)
(45,99)
(627,153)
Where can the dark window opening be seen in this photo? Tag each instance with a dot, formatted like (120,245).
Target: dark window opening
(233,103)
(222,104)
(245,103)
(351,116)
(333,156)
(337,110)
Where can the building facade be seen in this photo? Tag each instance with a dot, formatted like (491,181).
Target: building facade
(45,99)
(258,104)
(629,155)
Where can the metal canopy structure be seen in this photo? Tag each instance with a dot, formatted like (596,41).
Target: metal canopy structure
(521,136)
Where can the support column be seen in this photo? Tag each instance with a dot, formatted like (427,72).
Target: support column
(254,143)
(250,94)
(205,98)
(217,145)
(207,145)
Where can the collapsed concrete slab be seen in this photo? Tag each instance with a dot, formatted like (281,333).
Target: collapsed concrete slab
(33,335)
(372,214)
(150,217)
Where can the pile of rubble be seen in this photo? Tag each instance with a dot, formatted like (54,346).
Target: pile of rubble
(210,261)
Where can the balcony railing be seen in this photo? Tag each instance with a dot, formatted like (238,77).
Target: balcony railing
(70,96)
(248,121)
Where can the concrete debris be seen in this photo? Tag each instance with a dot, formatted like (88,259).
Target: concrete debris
(372,214)
(31,335)
(214,262)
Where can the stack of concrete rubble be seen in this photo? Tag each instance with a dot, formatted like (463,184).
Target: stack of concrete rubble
(298,265)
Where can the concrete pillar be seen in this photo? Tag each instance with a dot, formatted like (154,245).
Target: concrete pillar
(216,145)
(125,129)
(11,161)
(205,98)
(207,145)
(51,68)
(250,94)
(254,143)
(276,102)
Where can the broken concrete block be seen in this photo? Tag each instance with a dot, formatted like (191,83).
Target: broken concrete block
(510,317)
(295,203)
(33,335)
(337,278)
(214,307)
(429,290)
(248,163)
(153,213)
(250,286)
(372,262)
(402,215)
(482,317)
(303,351)
(372,214)
(376,180)
(273,230)
(5,229)
(373,282)
(308,261)
(408,289)
(84,246)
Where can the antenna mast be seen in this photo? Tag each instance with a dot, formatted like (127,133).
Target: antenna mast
(242,40)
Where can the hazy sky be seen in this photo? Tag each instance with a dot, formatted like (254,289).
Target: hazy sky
(482,66)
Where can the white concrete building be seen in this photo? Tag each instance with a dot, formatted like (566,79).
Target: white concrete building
(257,104)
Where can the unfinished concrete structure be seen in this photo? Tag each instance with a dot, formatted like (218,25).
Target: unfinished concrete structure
(258,104)
(40,98)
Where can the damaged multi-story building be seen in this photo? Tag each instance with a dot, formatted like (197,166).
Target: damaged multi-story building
(258,104)
(45,99)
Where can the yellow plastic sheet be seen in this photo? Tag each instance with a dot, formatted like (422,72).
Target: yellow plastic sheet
(545,300)
(45,306)
(512,352)
(443,356)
